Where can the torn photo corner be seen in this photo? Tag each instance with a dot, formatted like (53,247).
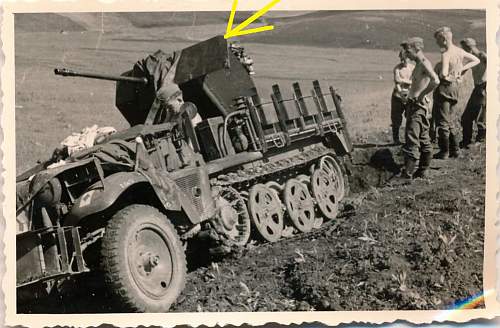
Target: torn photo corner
(338,167)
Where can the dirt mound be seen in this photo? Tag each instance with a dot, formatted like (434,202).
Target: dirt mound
(372,166)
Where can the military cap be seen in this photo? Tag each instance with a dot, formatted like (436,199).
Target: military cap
(413,41)
(469,42)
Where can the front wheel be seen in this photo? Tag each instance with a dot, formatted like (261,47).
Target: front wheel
(143,259)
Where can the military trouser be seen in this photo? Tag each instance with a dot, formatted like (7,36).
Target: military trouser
(475,111)
(417,136)
(446,125)
(398,108)
(432,131)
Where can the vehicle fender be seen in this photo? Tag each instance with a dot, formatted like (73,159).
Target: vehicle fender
(102,195)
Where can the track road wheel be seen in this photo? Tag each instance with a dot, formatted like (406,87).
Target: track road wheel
(299,205)
(332,167)
(234,220)
(266,212)
(322,185)
(143,259)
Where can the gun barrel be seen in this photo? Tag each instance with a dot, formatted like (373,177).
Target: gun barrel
(68,72)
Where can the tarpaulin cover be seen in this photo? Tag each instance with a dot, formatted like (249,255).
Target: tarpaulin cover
(134,100)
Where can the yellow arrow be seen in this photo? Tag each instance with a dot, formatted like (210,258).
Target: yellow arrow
(238,30)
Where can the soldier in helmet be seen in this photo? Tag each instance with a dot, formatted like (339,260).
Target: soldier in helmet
(455,62)
(424,80)
(171,104)
(476,106)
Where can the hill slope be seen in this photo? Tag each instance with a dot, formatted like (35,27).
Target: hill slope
(371,29)
(339,29)
(54,22)
(46,22)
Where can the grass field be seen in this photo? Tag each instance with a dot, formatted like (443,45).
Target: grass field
(48,107)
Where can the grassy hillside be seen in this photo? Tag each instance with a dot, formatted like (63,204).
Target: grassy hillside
(46,22)
(192,18)
(339,29)
(371,29)
(116,21)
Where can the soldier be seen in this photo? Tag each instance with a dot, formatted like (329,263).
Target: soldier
(171,101)
(432,132)
(402,82)
(476,106)
(424,80)
(452,69)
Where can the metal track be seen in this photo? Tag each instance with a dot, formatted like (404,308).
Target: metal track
(262,171)
(275,169)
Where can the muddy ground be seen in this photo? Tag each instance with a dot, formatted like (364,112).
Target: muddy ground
(397,246)
(394,246)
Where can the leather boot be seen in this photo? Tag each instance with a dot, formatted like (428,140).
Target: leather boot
(423,166)
(454,150)
(409,168)
(444,147)
(464,144)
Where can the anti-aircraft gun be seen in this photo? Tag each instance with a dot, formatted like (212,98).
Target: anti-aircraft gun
(249,168)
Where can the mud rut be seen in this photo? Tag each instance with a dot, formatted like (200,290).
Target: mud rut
(341,265)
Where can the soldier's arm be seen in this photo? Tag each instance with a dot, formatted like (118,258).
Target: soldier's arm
(430,72)
(434,79)
(471,61)
(397,78)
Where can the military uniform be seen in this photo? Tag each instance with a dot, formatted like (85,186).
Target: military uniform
(447,95)
(418,144)
(399,98)
(435,102)
(455,61)
(446,127)
(475,110)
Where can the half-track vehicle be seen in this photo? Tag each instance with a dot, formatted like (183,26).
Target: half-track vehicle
(248,169)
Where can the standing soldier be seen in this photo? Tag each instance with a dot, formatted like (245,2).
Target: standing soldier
(402,82)
(452,69)
(424,80)
(476,106)
(435,94)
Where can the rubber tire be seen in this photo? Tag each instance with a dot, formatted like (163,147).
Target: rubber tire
(114,263)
